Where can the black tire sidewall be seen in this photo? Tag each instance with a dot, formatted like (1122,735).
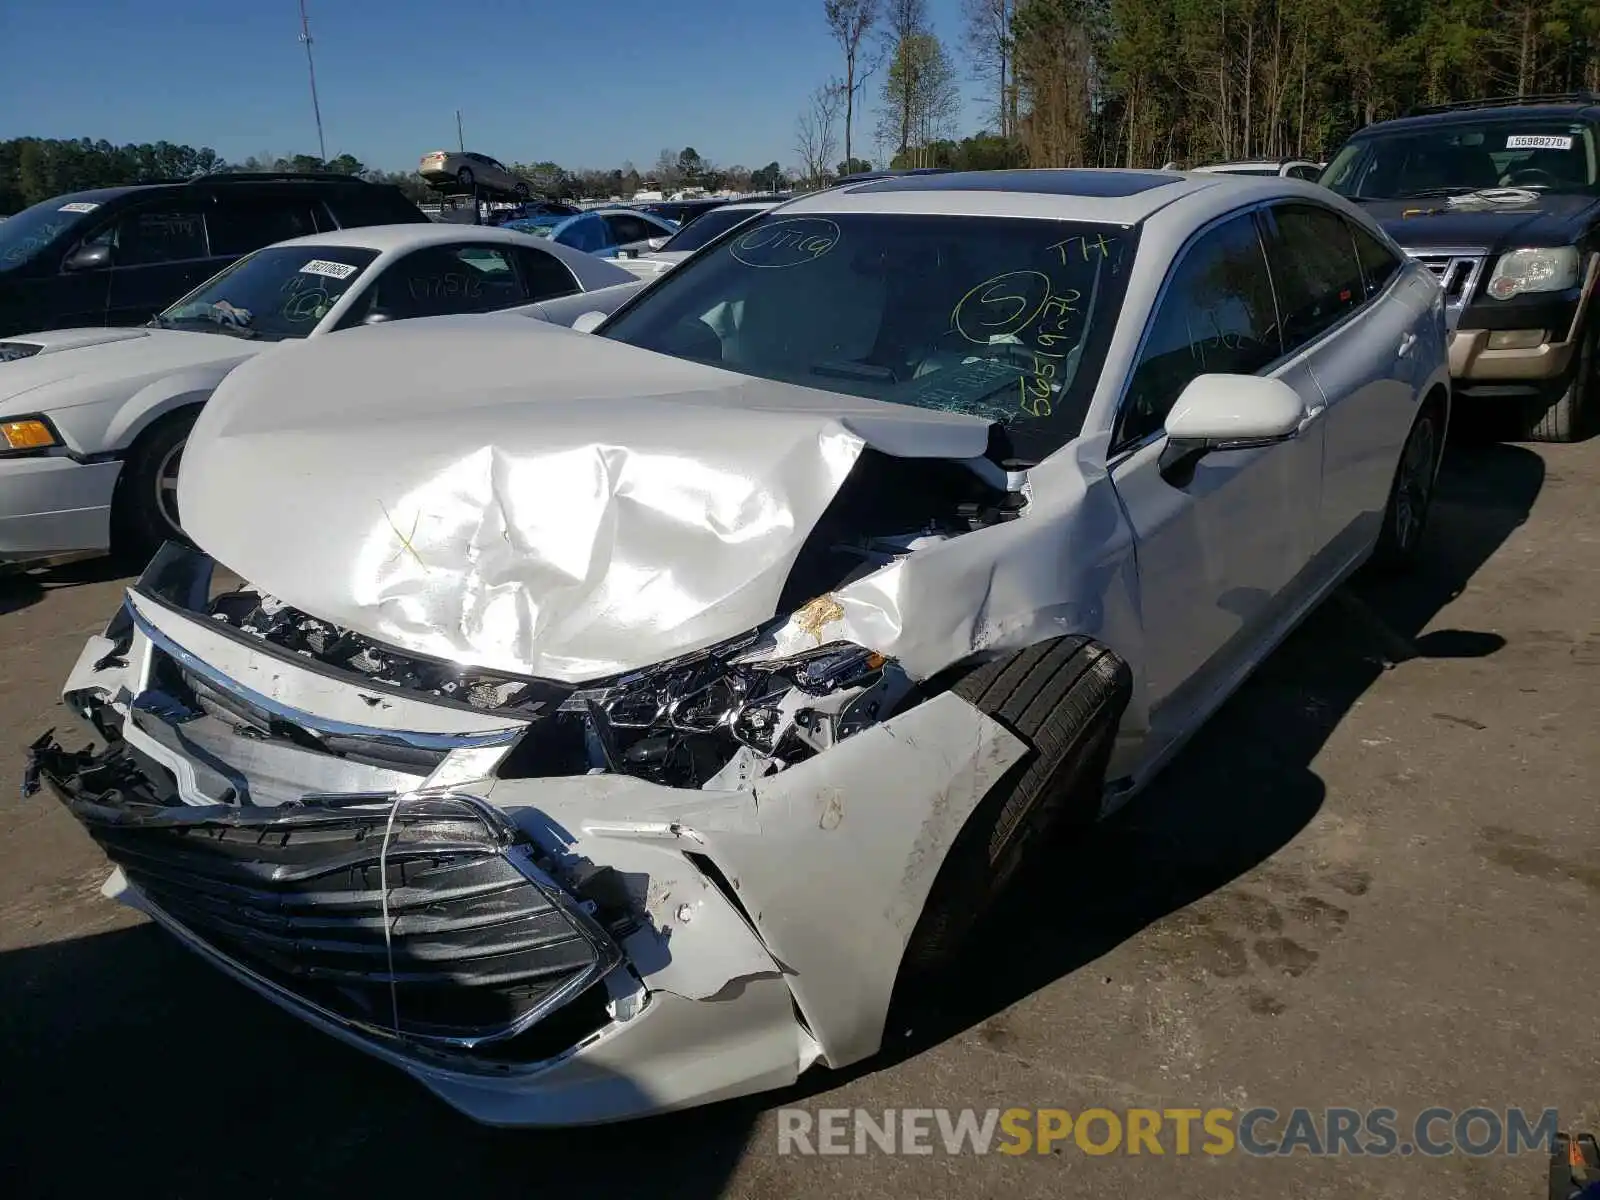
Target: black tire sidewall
(1391,552)
(138,525)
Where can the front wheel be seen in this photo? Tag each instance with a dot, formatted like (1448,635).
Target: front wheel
(1064,699)
(1567,419)
(464,178)
(522,191)
(145,511)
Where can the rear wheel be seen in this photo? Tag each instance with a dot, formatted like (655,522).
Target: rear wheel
(1411,495)
(1567,419)
(1063,698)
(144,513)
(522,191)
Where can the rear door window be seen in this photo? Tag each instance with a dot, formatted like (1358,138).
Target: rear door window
(242,223)
(441,280)
(1379,264)
(1315,270)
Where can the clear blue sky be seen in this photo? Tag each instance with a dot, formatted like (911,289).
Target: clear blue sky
(586,83)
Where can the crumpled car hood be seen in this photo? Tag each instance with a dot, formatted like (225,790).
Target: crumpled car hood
(516,496)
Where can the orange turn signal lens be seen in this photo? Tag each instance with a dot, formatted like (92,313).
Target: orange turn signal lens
(26,435)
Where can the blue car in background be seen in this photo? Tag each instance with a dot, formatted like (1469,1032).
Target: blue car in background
(606,232)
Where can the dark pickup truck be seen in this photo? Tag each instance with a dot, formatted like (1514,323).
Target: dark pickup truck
(1501,199)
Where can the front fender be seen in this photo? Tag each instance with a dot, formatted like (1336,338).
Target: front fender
(155,400)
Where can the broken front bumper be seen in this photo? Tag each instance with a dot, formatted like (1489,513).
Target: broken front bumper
(553,950)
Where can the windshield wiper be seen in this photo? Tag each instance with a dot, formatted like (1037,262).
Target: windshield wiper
(1455,189)
(204,325)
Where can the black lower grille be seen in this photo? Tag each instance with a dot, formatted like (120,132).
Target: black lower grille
(477,948)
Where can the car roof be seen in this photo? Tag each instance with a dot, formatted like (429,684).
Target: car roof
(591,271)
(1101,195)
(386,238)
(1475,115)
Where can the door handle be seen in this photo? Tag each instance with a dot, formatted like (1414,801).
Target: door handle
(1407,341)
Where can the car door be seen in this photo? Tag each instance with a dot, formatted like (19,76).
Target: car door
(1221,554)
(159,252)
(1356,338)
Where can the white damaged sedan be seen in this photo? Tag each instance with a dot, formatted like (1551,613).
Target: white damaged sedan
(612,736)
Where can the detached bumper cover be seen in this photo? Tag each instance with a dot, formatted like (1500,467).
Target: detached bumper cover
(422,918)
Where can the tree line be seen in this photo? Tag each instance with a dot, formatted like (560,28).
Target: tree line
(1146,82)
(35,169)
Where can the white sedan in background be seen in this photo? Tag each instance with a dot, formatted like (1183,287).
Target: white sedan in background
(93,421)
(703,230)
(618,735)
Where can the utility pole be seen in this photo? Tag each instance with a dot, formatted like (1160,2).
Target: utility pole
(311,69)
(461,141)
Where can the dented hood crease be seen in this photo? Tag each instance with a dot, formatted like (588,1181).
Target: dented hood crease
(541,502)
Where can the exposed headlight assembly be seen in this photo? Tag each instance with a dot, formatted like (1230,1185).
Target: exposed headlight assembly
(11,351)
(1554,269)
(683,723)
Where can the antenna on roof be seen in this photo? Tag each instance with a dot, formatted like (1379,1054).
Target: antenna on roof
(311,69)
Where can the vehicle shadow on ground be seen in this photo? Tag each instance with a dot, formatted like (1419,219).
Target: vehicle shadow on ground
(135,1065)
(21,588)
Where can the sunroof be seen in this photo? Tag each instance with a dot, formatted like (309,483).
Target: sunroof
(1063,182)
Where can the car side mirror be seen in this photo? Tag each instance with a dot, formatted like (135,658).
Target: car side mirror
(588,322)
(1227,412)
(88,258)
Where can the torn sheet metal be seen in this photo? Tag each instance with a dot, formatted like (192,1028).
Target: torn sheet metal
(606,510)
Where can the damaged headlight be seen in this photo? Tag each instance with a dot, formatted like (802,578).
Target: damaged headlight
(685,722)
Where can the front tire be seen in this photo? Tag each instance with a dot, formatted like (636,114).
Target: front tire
(522,192)
(1063,698)
(1567,419)
(464,178)
(144,513)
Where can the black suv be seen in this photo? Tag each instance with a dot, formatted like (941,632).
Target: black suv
(114,256)
(1501,199)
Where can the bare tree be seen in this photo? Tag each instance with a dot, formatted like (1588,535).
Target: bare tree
(850,21)
(815,136)
(987,35)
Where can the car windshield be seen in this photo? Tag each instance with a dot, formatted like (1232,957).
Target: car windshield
(276,293)
(1006,319)
(708,228)
(31,230)
(1546,153)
